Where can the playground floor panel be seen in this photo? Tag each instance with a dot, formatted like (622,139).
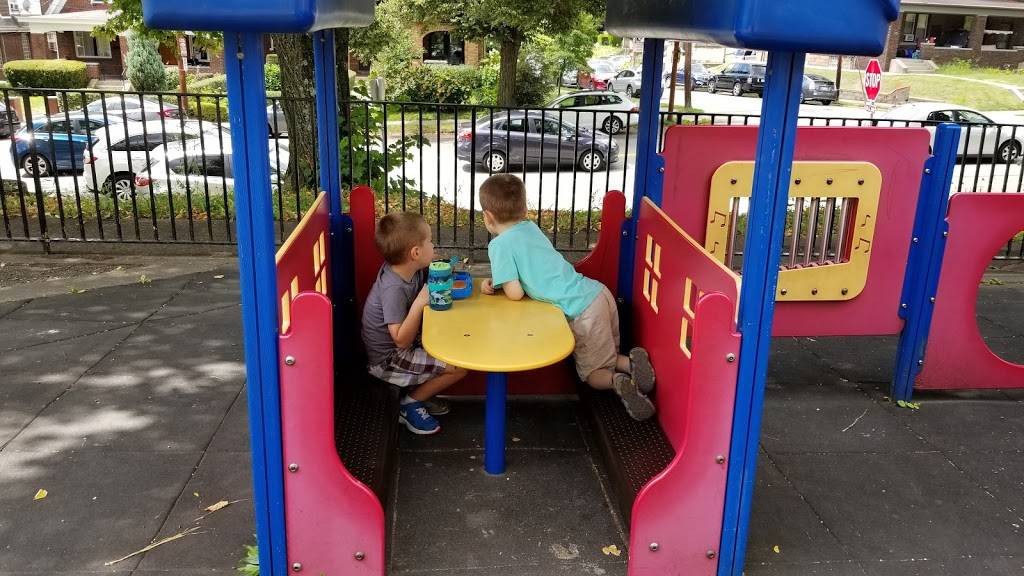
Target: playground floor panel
(127,405)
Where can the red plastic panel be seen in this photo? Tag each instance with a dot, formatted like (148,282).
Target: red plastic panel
(363,207)
(303,261)
(602,263)
(956,356)
(684,313)
(693,153)
(331,518)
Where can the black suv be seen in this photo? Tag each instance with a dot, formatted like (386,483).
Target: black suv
(9,121)
(739,78)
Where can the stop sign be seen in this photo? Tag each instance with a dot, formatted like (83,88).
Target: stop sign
(872,80)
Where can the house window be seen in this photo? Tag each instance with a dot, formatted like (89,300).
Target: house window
(51,41)
(438,46)
(88,46)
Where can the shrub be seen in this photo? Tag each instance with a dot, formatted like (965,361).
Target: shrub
(273,74)
(531,84)
(206,107)
(436,84)
(606,39)
(68,74)
(217,84)
(143,65)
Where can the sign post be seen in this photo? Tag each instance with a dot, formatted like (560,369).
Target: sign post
(872,84)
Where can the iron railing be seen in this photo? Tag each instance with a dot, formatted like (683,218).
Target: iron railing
(67,176)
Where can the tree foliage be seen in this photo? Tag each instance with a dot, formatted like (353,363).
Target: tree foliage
(143,66)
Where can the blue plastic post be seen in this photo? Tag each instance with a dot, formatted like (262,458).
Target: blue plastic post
(494,417)
(255,221)
(649,164)
(767,219)
(927,248)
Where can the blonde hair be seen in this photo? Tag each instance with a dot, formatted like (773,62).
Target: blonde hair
(397,233)
(504,196)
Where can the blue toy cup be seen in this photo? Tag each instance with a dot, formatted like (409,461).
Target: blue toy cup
(439,285)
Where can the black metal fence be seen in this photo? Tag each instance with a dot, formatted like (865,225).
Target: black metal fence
(90,166)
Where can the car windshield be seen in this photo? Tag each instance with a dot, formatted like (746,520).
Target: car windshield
(604,68)
(758,70)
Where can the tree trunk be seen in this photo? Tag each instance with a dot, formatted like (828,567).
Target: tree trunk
(688,67)
(672,78)
(839,71)
(341,67)
(509,62)
(295,52)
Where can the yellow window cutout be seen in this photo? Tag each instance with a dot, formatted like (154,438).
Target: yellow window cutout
(689,302)
(647,284)
(650,250)
(686,336)
(657,260)
(295,287)
(654,294)
(323,248)
(286,312)
(859,184)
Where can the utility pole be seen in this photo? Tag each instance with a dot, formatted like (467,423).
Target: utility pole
(688,73)
(839,71)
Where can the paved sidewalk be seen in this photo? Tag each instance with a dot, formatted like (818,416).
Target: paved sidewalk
(127,404)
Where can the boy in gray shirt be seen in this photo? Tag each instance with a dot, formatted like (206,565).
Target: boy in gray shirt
(393,316)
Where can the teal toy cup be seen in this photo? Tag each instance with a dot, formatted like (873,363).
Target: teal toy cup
(439,285)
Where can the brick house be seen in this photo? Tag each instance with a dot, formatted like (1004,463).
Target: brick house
(985,32)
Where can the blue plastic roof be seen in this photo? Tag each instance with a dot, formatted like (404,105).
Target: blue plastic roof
(284,16)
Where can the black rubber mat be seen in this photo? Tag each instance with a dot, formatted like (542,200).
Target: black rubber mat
(634,452)
(366,431)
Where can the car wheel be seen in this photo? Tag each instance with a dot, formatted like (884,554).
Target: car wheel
(591,161)
(120,185)
(826,102)
(1008,151)
(612,125)
(712,88)
(495,161)
(35,165)
(629,90)
(737,89)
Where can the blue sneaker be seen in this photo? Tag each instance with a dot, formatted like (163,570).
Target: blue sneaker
(416,418)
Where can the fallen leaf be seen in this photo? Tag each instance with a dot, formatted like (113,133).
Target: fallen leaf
(219,276)
(776,549)
(612,550)
(40,494)
(217,506)
(74,290)
(901,403)
(191,530)
(196,494)
(515,439)
(144,280)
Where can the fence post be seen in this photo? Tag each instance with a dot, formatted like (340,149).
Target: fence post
(44,235)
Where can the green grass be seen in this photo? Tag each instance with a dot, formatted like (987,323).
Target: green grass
(606,51)
(962,92)
(965,70)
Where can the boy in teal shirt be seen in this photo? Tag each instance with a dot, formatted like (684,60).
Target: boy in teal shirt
(524,263)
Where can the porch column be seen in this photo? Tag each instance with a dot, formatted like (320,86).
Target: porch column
(977,35)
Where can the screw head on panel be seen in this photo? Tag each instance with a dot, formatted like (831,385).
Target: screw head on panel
(289,360)
(653,547)
(661,169)
(730,357)
(814,291)
(720,459)
(360,556)
(293,467)
(710,554)
(783,291)
(297,567)
(845,291)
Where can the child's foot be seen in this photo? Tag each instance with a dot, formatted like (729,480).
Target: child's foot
(416,418)
(437,406)
(637,405)
(642,371)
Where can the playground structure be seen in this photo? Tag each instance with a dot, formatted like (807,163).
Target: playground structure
(320,500)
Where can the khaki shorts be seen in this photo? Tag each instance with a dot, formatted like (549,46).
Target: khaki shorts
(597,335)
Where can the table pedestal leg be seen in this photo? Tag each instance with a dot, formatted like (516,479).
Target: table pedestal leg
(494,433)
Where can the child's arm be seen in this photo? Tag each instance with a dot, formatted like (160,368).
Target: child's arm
(404,334)
(513,289)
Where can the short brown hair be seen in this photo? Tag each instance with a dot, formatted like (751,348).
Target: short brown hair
(504,195)
(397,233)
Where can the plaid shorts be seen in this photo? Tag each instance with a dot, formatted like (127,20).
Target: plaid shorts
(408,367)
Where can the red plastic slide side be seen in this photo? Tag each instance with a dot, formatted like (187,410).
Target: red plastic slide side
(693,154)
(303,261)
(956,356)
(684,312)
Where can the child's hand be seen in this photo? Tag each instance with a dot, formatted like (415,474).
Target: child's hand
(487,286)
(423,298)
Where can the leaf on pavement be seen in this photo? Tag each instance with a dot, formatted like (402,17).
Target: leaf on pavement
(612,550)
(40,494)
(191,530)
(776,549)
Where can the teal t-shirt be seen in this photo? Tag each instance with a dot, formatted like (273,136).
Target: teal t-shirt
(524,253)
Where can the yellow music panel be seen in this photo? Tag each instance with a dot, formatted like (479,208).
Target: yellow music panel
(841,278)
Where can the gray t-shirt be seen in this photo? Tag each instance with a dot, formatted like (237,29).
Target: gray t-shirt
(388,303)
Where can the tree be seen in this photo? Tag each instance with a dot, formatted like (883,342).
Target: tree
(508,23)
(143,66)
(571,48)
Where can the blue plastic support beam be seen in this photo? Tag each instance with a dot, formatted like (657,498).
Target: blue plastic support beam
(767,218)
(255,222)
(650,167)
(924,264)
(326,77)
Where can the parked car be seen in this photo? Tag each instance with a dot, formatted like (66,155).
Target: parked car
(55,143)
(596,109)
(533,138)
(571,78)
(818,88)
(111,163)
(9,121)
(740,78)
(183,167)
(618,60)
(597,79)
(277,123)
(979,135)
(132,108)
(628,81)
(701,75)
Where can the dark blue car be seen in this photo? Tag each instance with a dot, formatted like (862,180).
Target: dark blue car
(55,144)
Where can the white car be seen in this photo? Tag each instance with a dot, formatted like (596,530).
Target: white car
(979,135)
(628,81)
(596,109)
(112,162)
(183,169)
(618,60)
(132,108)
